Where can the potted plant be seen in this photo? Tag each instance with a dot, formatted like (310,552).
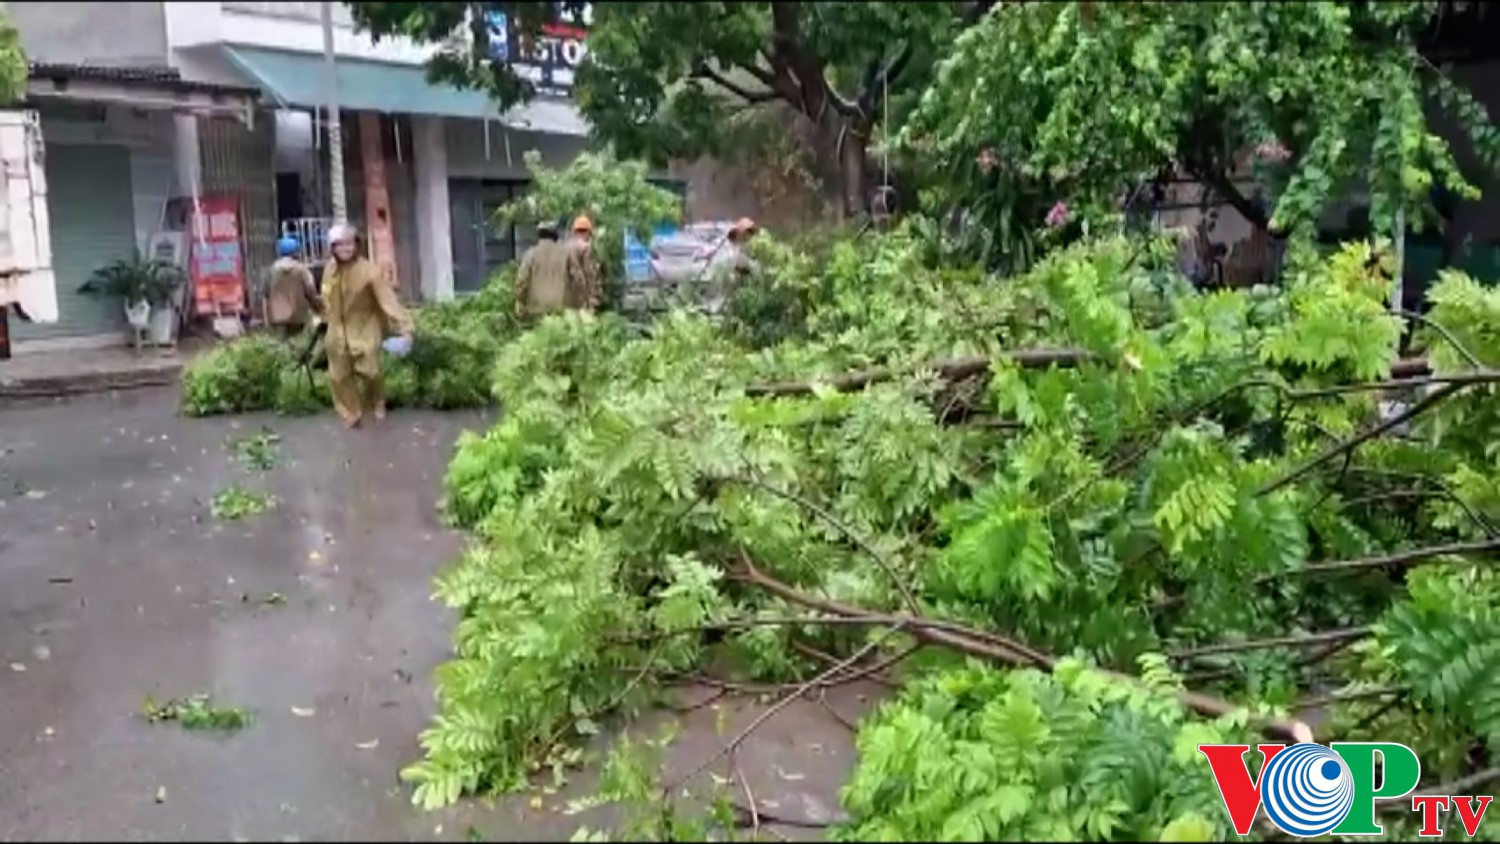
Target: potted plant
(148,289)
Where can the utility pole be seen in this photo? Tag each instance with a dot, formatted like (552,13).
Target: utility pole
(335,134)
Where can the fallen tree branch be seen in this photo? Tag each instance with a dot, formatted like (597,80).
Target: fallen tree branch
(1484,376)
(1278,642)
(971,642)
(1448,335)
(924,629)
(1356,694)
(1474,515)
(849,532)
(777,707)
(1347,445)
(957,369)
(1404,558)
(949,370)
(840,679)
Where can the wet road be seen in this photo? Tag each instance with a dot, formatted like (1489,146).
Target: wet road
(117,583)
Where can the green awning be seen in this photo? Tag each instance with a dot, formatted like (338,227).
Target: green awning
(295,80)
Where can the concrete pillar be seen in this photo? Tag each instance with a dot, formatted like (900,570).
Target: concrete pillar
(187,160)
(434,234)
(382,243)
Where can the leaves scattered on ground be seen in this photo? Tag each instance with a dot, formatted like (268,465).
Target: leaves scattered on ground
(196,712)
(232,502)
(258,452)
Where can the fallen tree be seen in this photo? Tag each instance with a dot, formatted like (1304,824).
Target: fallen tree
(1167,541)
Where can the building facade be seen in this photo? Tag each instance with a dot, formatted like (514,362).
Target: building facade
(146,105)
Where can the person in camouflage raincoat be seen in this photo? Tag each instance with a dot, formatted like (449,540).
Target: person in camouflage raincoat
(585,276)
(542,277)
(554,277)
(361,310)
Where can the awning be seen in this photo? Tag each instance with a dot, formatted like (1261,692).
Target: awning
(161,88)
(295,80)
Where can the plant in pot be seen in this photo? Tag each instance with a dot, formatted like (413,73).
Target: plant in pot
(147,287)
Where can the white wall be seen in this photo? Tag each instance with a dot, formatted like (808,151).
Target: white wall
(283,26)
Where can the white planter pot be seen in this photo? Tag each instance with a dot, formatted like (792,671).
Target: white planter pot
(163,324)
(138,314)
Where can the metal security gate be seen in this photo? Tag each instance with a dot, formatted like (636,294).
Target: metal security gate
(93,223)
(481,247)
(242,163)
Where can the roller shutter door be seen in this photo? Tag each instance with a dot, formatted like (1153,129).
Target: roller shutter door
(93,224)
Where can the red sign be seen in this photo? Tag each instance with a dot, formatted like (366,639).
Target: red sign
(215,259)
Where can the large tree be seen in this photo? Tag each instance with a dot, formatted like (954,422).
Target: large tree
(661,79)
(1081,102)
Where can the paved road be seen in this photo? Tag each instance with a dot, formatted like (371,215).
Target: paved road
(116,583)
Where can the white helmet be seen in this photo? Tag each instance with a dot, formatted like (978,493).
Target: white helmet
(341,233)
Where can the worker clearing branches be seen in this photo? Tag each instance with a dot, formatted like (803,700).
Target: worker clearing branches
(730,265)
(555,276)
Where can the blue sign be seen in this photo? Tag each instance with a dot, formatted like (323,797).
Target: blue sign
(548,58)
(499,25)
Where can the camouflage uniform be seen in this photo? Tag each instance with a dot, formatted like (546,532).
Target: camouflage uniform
(585,276)
(542,280)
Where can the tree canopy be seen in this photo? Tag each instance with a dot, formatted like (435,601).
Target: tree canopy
(661,79)
(1084,102)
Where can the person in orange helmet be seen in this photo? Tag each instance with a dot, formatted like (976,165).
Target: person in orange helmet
(585,287)
(730,265)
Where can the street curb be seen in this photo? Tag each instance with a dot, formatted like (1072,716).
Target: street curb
(75,384)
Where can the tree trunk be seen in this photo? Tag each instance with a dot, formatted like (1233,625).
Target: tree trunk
(845,153)
(854,175)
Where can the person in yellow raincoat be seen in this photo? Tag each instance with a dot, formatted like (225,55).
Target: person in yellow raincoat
(362,310)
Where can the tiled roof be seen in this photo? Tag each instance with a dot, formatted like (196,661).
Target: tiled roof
(145,75)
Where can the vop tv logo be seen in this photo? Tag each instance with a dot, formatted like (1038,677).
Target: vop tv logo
(1310,790)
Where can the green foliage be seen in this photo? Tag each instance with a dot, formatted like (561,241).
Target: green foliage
(232,503)
(449,366)
(665,81)
(196,712)
(258,452)
(153,280)
(614,194)
(981,755)
(1083,102)
(1163,491)
(13,67)
(240,376)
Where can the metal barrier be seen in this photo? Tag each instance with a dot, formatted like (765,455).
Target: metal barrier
(312,234)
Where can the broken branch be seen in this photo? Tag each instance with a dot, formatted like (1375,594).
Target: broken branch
(948,370)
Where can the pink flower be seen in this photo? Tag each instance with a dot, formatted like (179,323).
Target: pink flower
(1272,150)
(1058,215)
(987,160)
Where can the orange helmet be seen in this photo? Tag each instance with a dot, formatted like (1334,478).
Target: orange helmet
(583,225)
(743,225)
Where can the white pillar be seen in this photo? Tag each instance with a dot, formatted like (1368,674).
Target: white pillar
(434,232)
